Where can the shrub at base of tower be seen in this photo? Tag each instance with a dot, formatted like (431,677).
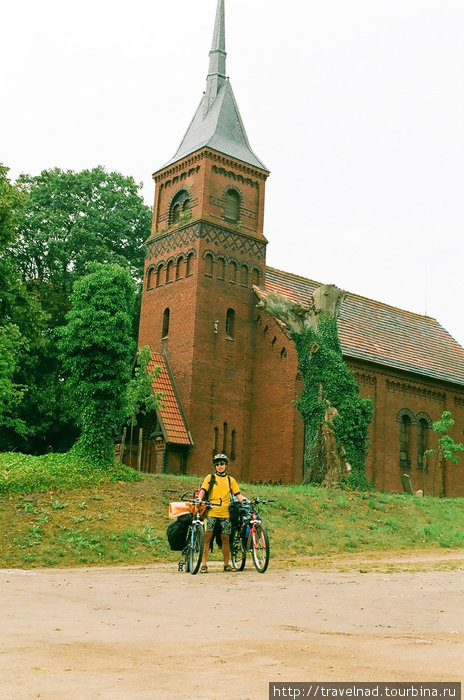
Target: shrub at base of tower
(97,351)
(336,418)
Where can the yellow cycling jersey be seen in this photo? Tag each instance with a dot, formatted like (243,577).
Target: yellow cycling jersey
(220,491)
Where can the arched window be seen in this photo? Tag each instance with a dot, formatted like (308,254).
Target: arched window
(169,267)
(230,324)
(405,433)
(422,435)
(209,264)
(225,431)
(179,268)
(151,278)
(189,265)
(221,271)
(233,440)
(159,270)
(165,331)
(232,205)
(232,272)
(244,276)
(179,205)
(255,277)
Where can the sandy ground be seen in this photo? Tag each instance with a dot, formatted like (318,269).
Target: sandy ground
(153,632)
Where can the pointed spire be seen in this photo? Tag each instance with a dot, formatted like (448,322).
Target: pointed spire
(217,58)
(217,122)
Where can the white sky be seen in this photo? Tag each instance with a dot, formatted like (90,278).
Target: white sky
(356,107)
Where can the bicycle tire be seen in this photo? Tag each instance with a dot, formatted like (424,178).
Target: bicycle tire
(238,551)
(260,553)
(196,543)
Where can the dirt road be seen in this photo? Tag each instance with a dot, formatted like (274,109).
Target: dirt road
(141,633)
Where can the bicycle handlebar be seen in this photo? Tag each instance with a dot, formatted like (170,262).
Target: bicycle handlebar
(197,502)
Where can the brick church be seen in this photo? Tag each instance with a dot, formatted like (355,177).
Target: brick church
(229,371)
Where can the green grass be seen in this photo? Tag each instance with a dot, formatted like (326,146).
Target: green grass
(21,473)
(55,511)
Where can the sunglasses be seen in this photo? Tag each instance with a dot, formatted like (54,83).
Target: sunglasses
(218,464)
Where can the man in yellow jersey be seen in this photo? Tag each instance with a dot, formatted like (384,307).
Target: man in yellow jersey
(224,486)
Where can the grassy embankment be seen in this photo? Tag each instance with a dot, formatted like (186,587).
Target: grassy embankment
(55,511)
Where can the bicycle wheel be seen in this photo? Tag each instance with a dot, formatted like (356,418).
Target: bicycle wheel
(238,551)
(196,542)
(259,544)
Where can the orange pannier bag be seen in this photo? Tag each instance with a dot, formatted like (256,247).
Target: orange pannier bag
(177,508)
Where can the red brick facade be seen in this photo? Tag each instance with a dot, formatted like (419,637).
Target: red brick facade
(234,369)
(237,378)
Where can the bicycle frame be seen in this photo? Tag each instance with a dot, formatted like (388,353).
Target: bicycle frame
(193,549)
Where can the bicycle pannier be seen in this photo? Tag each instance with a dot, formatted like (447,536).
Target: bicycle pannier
(177,532)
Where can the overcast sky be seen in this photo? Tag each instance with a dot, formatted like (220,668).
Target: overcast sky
(355,106)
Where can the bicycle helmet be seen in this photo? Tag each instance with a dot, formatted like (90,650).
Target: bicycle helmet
(220,458)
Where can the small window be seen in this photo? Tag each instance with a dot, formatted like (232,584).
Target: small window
(221,269)
(405,430)
(232,272)
(169,267)
(255,277)
(189,265)
(233,440)
(232,205)
(180,207)
(159,271)
(422,434)
(209,265)
(180,268)
(225,435)
(165,331)
(230,324)
(151,278)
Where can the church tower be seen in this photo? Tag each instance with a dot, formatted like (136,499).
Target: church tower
(205,252)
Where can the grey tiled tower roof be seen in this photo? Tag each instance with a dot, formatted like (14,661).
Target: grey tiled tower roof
(217,122)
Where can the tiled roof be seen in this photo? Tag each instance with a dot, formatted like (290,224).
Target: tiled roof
(373,331)
(170,413)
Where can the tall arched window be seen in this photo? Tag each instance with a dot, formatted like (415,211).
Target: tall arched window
(255,277)
(179,205)
(232,205)
(230,324)
(151,278)
(232,272)
(225,435)
(180,268)
(422,434)
(165,331)
(169,267)
(208,264)
(159,270)
(405,434)
(221,268)
(189,264)
(244,276)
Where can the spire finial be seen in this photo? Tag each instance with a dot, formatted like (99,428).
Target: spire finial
(217,58)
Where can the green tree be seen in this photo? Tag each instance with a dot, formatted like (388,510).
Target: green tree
(68,220)
(447,449)
(21,318)
(97,351)
(71,219)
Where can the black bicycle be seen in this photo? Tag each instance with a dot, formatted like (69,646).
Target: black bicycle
(194,543)
(250,535)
